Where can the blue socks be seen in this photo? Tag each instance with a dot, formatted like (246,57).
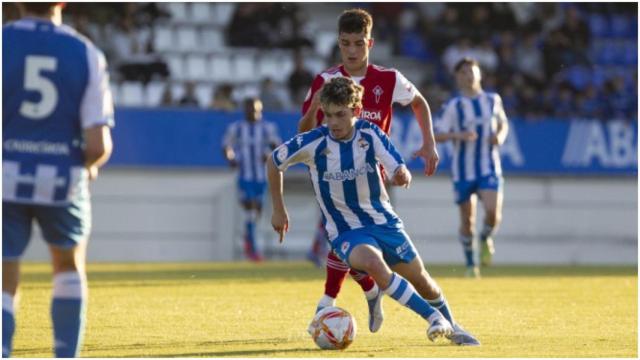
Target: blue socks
(441,304)
(68,313)
(8,324)
(467,247)
(403,292)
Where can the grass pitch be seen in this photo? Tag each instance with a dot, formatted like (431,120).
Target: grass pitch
(249,310)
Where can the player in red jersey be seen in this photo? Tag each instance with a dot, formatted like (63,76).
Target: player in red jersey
(382,88)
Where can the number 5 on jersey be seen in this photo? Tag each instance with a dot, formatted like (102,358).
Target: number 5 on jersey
(35,81)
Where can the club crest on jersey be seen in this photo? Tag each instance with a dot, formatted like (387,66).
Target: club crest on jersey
(363,144)
(345,247)
(377,91)
(282,153)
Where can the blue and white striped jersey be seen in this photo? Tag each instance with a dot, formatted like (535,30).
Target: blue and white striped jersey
(251,142)
(482,113)
(346,175)
(54,85)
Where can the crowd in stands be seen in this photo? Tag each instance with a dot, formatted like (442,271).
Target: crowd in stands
(563,60)
(545,59)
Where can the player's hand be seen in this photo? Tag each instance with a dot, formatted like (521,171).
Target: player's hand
(467,136)
(233,163)
(402,177)
(280,223)
(93,172)
(430,156)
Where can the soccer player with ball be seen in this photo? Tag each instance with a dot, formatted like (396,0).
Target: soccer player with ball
(383,87)
(344,157)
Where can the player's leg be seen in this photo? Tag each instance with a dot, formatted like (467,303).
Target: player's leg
(410,266)
(337,271)
(466,236)
(361,249)
(66,230)
(10,278)
(252,211)
(69,298)
(16,232)
(491,197)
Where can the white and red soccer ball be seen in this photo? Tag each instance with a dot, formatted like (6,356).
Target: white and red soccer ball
(333,328)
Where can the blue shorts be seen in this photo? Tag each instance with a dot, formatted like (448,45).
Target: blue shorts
(464,189)
(62,226)
(251,190)
(395,244)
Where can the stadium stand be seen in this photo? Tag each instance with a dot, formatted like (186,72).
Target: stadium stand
(581,62)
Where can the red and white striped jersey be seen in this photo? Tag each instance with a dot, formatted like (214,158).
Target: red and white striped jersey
(382,88)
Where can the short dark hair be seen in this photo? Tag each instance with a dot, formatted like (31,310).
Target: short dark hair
(465,61)
(342,91)
(39,8)
(249,101)
(354,21)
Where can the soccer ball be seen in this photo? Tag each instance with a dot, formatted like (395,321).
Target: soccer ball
(333,328)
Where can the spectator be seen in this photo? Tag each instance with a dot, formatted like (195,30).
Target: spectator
(270,96)
(167,96)
(299,80)
(189,99)
(563,103)
(222,98)
(577,32)
(529,60)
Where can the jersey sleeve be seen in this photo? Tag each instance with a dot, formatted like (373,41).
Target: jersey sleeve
(97,103)
(385,151)
(230,137)
(297,150)
(404,91)
(445,121)
(501,115)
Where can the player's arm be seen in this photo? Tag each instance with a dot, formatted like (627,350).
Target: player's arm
(96,113)
(228,143)
(444,127)
(502,130)
(279,217)
(98,148)
(311,106)
(390,158)
(405,93)
(428,150)
(230,155)
(296,150)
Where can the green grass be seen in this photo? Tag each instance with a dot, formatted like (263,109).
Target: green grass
(248,310)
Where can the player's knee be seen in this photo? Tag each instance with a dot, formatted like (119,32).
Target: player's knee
(372,264)
(492,217)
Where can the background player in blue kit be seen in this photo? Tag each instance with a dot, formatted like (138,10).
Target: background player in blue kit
(343,157)
(476,123)
(56,118)
(247,144)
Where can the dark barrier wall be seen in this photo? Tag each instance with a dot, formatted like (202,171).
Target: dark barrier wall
(192,138)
